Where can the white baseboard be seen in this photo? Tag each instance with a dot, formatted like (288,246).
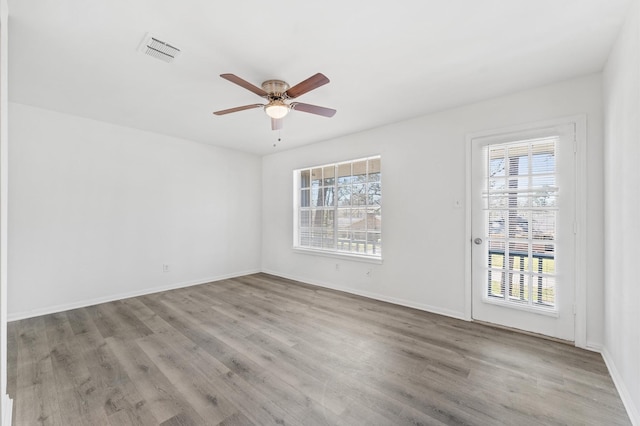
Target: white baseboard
(375,296)
(14,316)
(593,347)
(7,410)
(632,410)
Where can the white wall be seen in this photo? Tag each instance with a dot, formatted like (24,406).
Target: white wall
(622,228)
(423,163)
(5,402)
(96,209)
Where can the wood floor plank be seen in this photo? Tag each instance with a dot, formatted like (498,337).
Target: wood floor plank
(203,395)
(298,405)
(237,336)
(157,390)
(237,419)
(259,349)
(116,320)
(12,357)
(35,382)
(110,382)
(78,404)
(179,420)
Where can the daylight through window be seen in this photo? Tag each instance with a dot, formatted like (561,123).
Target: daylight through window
(338,208)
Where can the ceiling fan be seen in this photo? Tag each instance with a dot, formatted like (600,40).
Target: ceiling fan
(276,92)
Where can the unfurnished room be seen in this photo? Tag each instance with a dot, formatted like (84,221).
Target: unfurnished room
(338,213)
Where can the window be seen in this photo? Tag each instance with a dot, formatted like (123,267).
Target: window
(521,220)
(338,208)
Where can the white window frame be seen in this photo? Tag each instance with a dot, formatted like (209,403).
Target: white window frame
(337,250)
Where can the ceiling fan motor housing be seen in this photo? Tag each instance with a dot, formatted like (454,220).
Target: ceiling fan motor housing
(275,88)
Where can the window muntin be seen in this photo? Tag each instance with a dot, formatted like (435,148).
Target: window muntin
(338,208)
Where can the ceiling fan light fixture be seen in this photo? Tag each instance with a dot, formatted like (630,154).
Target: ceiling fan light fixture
(276,109)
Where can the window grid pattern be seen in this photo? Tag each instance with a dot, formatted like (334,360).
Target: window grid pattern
(339,207)
(521,209)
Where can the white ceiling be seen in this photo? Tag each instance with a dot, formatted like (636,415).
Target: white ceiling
(387,61)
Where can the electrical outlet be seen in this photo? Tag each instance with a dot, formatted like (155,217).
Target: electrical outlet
(165,267)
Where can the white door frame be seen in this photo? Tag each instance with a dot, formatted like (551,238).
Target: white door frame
(580,122)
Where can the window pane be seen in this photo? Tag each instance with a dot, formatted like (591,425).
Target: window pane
(519,287)
(316,177)
(374,170)
(344,174)
(344,218)
(544,290)
(375,194)
(359,171)
(497,220)
(344,195)
(374,220)
(329,198)
(518,160)
(497,184)
(317,197)
(329,174)
(328,240)
(358,215)
(322,197)
(519,224)
(304,198)
(324,218)
(373,243)
(498,202)
(316,239)
(305,216)
(544,259)
(496,161)
(544,225)
(543,158)
(305,178)
(544,250)
(359,195)
(543,182)
(518,183)
(523,202)
(305,238)
(544,199)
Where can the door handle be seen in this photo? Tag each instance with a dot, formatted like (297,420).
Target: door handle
(478,241)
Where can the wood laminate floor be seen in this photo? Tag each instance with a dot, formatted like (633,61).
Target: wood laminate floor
(265,350)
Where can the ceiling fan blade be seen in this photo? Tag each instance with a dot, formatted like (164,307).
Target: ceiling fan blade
(236,109)
(243,83)
(308,85)
(276,123)
(313,109)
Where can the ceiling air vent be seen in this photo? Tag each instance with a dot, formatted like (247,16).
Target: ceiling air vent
(160,49)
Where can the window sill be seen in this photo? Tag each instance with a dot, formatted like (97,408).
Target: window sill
(339,255)
(549,312)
